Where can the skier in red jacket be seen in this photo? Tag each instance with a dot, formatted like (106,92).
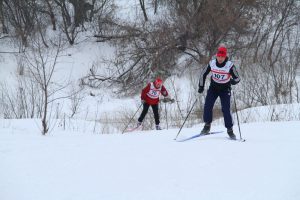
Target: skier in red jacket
(150,97)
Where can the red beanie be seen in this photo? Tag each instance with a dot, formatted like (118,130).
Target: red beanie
(158,81)
(222,52)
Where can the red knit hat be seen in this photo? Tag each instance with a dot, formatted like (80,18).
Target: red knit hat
(158,82)
(222,52)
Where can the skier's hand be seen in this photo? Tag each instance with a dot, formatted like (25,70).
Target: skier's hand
(168,99)
(233,82)
(201,89)
(143,101)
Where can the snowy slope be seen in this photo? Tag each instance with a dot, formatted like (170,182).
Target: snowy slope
(151,165)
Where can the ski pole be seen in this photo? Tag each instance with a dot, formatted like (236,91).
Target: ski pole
(166,116)
(186,118)
(237,116)
(132,118)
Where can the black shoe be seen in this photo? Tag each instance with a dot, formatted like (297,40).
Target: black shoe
(138,124)
(205,130)
(231,134)
(158,127)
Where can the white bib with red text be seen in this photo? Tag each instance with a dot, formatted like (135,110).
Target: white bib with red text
(153,92)
(220,74)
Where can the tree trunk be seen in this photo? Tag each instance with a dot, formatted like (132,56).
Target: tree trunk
(142,4)
(44,119)
(52,16)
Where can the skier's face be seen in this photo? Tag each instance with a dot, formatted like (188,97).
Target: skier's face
(157,85)
(220,59)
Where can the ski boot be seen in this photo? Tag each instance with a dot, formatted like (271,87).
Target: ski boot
(205,130)
(138,124)
(231,134)
(157,127)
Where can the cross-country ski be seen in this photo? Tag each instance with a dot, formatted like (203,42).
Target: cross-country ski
(198,135)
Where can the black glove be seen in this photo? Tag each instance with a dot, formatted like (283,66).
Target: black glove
(233,82)
(201,89)
(168,100)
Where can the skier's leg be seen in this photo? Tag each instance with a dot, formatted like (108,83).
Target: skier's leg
(225,97)
(210,100)
(144,112)
(225,102)
(156,114)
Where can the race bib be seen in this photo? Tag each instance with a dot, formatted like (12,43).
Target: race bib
(153,92)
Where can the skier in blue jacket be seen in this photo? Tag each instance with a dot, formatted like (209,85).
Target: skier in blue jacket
(224,74)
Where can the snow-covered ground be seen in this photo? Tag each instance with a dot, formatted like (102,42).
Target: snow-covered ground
(151,165)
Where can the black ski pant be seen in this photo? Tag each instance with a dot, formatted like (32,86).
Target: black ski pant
(145,111)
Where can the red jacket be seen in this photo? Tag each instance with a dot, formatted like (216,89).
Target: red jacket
(150,94)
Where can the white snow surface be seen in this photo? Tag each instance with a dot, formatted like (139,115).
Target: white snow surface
(151,165)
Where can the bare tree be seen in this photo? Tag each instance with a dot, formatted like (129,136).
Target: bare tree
(50,11)
(75,13)
(81,8)
(76,99)
(21,102)
(189,29)
(41,64)
(68,28)
(269,64)
(155,3)
(143,52)
(21,15)
(2,18)
(143,7)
